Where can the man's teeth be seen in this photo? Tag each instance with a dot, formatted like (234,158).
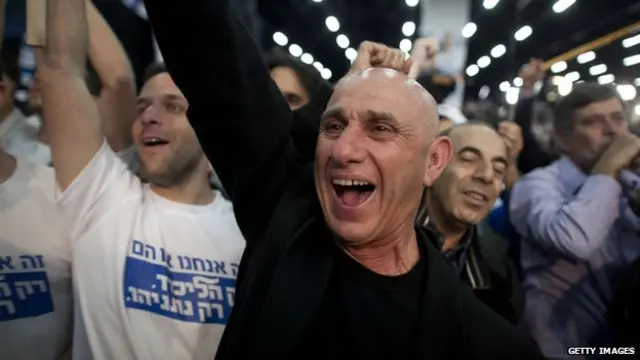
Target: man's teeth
(349,182)
(476,196)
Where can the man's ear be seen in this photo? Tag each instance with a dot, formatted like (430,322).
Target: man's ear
(438,156)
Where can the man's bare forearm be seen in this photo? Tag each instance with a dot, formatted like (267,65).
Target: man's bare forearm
(67,40)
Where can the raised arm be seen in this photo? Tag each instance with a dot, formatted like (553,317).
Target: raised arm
(70,114)
(238,113)
(117,101)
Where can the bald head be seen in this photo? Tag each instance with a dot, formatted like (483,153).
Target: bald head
(397,87)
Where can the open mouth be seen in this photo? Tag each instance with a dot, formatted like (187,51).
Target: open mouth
(154,141)
(353,192)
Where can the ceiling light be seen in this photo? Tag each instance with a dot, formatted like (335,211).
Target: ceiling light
(469,29)
(317,1)
(484,92)
(562,5)
(351,54)
(627,92)
(512,95)
(280,38)
(405,45)
(318,65)
(523,33)
(295,50)
(490,4)
(412,3)
(517,82)
(306,58)
(598,69)
(636,82)
(558,67)
(504,86)
(586,57)
(484,61)
(343,41)
(332,23)
(637,109)
(631,60)
(473,70)
(326,73)
(572,76)
(498,51)
(606,79)
(631,41)
(408,28)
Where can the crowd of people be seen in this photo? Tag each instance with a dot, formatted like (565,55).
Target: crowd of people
(238,206)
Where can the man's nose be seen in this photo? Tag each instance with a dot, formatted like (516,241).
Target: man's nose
(150,115)
(349,146)
(484,172)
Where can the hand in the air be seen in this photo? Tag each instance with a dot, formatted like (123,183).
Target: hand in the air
(371,54)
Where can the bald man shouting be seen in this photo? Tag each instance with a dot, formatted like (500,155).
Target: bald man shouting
(334,267)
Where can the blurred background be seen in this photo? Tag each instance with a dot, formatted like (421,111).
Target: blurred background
(483,43)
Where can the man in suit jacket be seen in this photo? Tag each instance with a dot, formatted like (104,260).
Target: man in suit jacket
(334,266)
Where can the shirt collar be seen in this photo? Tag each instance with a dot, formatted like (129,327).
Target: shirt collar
(458,254)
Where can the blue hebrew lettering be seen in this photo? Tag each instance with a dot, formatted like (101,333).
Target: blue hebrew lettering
(137,248)
(5,263)
(219,267)
(24,295)
(198,298)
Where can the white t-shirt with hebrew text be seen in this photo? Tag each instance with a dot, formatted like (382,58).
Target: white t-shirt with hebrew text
(154,279)
(35,267)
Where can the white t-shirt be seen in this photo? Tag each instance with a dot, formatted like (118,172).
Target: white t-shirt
(19,137)
(35,267)
(154,279)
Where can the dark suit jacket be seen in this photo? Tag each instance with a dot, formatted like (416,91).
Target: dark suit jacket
(243,124)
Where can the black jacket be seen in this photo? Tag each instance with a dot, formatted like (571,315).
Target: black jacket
(243,124)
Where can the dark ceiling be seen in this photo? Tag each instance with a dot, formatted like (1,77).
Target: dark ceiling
(553,34)
(303,22)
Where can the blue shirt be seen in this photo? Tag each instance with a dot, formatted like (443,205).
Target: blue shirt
(579,234)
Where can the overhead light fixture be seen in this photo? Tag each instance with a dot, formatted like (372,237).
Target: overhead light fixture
(484,61)
(484,92)
(598,69)
(631,41)
(517,82)
(342,41)
(504,86)
(351,54)
(405,45)
(473,70)
(562,5)
(627,92)
(295,50)
(317,1)
(572,76)
(318,65)
(490,4)
(469,29)
(606,79)
(637,109)
(586,57)
(332,23)
(523,33)
(326,74)
(408,28)
(636,82)
(559,67)
(306,58)
(412,3)
(498,51)
(631,60)
(512,95)
(280,38)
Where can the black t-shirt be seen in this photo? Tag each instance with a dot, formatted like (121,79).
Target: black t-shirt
(364,315)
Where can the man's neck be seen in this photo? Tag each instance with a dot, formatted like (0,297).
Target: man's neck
(7,166)
(394,255)
(193,191)
(452,231)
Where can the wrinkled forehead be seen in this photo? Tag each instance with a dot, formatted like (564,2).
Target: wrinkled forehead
(482,138)
(160,85)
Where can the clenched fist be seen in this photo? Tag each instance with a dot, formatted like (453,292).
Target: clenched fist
(622,152)
(512,134)
(371,54)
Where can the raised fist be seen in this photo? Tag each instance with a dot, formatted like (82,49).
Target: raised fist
(371,54)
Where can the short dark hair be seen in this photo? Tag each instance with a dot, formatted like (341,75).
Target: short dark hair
(153,70)
(580,96)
